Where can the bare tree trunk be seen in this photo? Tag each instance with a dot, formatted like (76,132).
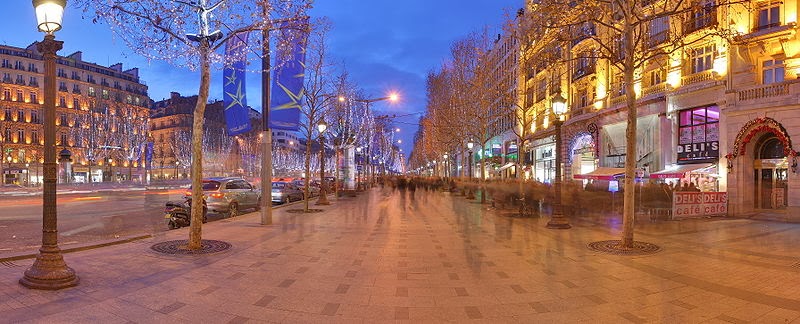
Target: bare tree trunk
(630,148)
(308,174)
(195,231)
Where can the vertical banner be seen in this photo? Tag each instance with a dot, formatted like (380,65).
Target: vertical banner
(287,82)
(148,155)
(236,111)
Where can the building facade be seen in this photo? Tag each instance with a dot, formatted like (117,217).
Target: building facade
(100,112)
(717,104)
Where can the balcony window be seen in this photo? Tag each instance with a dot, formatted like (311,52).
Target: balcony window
(20,134)
(701,59)
(35,136)
(19,96)
(33,97)
(7,94)
(772,71)
(769,15)
(702,16)
(35,117)
(7,114)
(659,31)
(657,76)
(20,115)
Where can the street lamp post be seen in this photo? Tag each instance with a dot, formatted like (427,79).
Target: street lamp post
(110,177)
(27,174)
(558,221)
(323,195)
(176,169)
(8,158)
(358,168)
(446,166)
(49,271)
(470,145)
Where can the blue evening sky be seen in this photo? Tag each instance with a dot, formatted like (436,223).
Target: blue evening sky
(386,45)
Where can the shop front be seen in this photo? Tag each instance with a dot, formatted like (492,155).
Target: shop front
(581,154)
(544,158)
(760,166)
(693,180)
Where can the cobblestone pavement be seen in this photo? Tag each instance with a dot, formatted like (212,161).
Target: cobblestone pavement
(435,257)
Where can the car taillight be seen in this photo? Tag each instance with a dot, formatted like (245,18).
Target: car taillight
(217,195)
(188,193)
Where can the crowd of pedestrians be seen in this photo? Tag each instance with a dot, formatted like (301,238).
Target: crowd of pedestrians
(537,197)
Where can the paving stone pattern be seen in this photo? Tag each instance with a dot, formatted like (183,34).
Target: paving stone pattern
(385,256)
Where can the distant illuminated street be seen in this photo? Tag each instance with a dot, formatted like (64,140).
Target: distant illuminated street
(84,217)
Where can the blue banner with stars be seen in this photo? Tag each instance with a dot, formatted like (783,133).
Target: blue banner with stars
(234,99)
(287,87)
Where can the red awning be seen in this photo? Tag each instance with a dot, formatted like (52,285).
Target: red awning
(601,174)
(678,172)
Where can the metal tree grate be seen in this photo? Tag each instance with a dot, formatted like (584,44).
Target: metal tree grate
(612,247)
(180,247)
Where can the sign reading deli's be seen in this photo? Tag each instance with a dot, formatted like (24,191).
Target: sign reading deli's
(698,151)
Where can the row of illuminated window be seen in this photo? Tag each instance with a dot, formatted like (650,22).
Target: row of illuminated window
(74,75)
(33,97)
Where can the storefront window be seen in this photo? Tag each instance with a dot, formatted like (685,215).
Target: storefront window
(698,135)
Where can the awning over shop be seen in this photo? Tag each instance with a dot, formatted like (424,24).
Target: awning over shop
(506,166)
(680,171)
(601,174)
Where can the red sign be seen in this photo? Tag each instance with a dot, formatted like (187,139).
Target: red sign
(695,204)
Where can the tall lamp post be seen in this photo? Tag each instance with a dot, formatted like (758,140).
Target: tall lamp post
(176,169)
(323,195)
(110,176)
(446,166)
(49,271)
(358,171)
(558,221)
(470,145)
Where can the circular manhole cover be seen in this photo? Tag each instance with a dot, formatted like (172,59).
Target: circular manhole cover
(310,210)
(612,247)
(180,247)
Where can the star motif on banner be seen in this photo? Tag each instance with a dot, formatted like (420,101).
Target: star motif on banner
(231,79)
(237,98)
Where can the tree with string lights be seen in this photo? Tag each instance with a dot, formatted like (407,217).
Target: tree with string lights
(180,32)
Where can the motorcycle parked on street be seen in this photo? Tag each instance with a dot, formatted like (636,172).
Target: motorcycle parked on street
(179,214)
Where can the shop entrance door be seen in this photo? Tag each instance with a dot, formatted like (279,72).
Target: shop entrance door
(770,175)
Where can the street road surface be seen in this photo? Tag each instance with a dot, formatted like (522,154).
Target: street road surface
(84,218)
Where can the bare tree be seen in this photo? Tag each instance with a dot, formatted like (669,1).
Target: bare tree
(96,130)
(180,32)
(133,132)
(318,96)
(347,119)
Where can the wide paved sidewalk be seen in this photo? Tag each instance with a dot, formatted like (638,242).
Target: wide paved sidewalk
(436,257)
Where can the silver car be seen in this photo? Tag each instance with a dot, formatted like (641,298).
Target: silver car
(285,192)
(230,195)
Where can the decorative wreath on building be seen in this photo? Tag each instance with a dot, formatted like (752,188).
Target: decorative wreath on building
(758,125)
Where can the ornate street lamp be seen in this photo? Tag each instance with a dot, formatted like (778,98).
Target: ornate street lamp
(470,145)
(176,168)
(558,221)
(110,176)
(323,195)
(446,166)
(49,271)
